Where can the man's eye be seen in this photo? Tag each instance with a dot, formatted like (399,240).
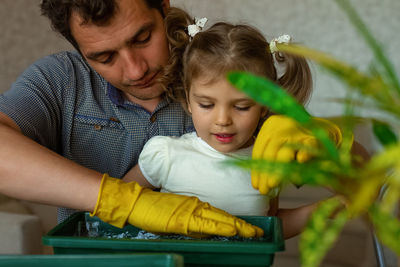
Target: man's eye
(143,38)
(107,60)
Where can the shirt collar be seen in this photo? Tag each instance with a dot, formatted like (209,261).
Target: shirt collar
(115,95)
(117,98)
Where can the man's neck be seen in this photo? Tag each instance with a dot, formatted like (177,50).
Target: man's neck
(149,105)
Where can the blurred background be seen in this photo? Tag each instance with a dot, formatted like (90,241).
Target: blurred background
(26,36)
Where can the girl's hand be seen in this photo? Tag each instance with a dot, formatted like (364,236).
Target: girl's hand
(283,139)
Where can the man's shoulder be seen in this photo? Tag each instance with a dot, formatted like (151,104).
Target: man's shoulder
(63,59)
(58,71)
(65,65)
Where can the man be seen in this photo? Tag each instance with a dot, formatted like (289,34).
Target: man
(73,116)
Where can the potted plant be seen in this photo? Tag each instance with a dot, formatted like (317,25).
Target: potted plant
(359,183)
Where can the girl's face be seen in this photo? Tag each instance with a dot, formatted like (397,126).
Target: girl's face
(223,117)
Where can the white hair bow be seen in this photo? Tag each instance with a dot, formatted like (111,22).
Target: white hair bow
(193,29)
(283,39)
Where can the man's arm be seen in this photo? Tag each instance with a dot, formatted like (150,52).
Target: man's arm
(32,172)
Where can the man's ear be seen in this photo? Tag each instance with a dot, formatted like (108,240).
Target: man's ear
(165,6)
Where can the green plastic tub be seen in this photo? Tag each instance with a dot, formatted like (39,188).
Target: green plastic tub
(103,260)
(71,237)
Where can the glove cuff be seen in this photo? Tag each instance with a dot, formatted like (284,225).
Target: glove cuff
(116,200)
(333,130)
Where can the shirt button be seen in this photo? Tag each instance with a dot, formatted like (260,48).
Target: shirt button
(114,119)
(153,118)
(97,127)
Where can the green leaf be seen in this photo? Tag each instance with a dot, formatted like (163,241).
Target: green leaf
(269,94)
(384,133)
(371,87)
(383,160)
(323,137)
(316,172)
(387,227)
(278,100)
(390,199)
(321,232)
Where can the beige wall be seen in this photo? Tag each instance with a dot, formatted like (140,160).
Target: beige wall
(26,36)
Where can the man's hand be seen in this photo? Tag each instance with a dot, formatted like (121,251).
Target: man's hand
(119,203)
(283,139)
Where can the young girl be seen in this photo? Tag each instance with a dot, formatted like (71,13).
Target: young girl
(226,120)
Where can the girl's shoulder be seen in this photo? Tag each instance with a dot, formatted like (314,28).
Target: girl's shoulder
(171,141)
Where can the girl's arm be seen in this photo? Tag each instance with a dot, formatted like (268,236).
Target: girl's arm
(136,175)
(293,220)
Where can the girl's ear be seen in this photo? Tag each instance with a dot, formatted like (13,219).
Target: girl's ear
(264,112)
(187,101)
(188,106)
(165,6)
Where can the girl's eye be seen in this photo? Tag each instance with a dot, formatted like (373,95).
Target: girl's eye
(206,106)
(244,108)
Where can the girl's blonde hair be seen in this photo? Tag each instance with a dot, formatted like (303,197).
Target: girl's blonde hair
(226,47)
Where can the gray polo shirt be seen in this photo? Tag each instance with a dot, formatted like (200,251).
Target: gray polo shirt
(63,104)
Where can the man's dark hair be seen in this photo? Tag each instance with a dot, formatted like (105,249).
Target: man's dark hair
(98,12)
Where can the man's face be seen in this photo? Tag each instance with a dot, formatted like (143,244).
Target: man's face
(130,51)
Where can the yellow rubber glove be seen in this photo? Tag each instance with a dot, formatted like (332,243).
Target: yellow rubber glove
(119,203)
(272,143)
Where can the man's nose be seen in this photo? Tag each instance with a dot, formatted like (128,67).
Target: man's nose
(134,66)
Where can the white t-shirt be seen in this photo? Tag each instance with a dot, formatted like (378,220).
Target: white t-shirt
(187,165)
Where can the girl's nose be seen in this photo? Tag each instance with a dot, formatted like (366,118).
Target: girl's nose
(223,117)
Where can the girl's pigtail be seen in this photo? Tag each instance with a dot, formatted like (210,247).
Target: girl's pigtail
(297,78)
(176,24)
